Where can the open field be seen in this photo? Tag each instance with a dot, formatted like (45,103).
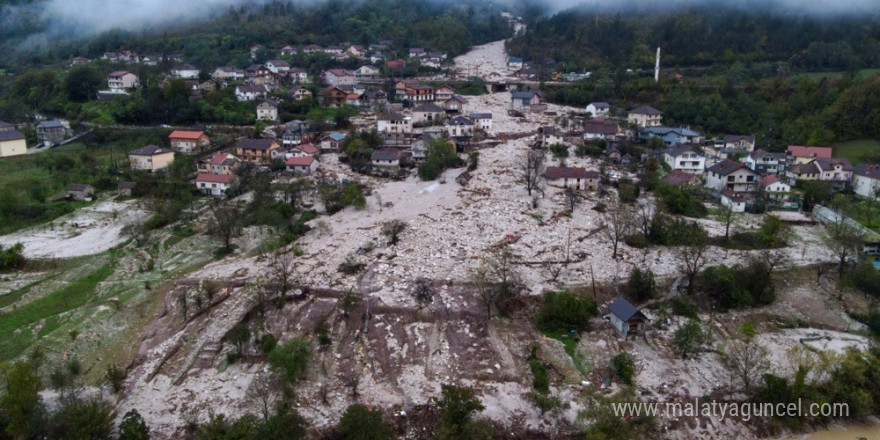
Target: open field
(855,150)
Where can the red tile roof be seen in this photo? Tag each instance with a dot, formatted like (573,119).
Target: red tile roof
(817,152)
(307,148)
(215,178)
(554,173)
(302,161)
(184,134)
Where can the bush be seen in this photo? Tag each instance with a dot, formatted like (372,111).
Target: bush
(12,258)
(360,422)
(624,367)
(115,376)
(679,201)
(541,382)
(638,241)
(291,359)
(268,343)
(641,285)
(563,311)
(740,286)
(682,307)
(689,339)
(559,150)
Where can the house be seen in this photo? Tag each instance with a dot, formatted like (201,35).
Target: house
(278,66)
(298,75)
(715,153)
(577,178)
(420,93)
(681,178)
(12,142)
(151,60)
(483,121)
(332,96)
(333,50)
(428,113)
(774,189)
(595,129)
(125,188)
(333,142)
(268,110)
(355,51)
(250,93)
(80,191)
(837,171)
(685,158)
(256,150)
(294,132)
(802,171)
(460,126)
(735,176)
(122,80)
(550,136)
(214,184)
(443,93)
(300,93)
(645,116)
(386,158)
(79,61)
(375,99)
(671,135)
(523,101)
(393,64)
(455,105)
(305,150)
(219,163)
(738,141)
(185,141)
(288,51)
(228,73)
(804,154)
(367,72)
(626,318)
(151,158)
(51,133)
(259,74)
(339,77)
(416,52)
(735,201)
(301,164)
(866,181)
(766,163)
(312,48)
(394,123)
(514,63)
(598,109)
(185,71)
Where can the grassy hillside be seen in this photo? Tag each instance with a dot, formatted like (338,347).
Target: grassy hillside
(858,151)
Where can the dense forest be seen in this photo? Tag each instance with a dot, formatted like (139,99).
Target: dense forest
(225,39)
(701,36)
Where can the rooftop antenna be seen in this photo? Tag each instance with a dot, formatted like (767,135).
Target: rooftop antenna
(657,67)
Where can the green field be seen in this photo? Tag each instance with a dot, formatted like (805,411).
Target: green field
(854,151)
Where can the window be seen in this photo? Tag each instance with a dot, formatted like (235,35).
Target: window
(730,178)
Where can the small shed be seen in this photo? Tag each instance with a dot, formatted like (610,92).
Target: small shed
(125,188)
(626,318)
(80,191)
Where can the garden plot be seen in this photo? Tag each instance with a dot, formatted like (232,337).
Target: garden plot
(87,231)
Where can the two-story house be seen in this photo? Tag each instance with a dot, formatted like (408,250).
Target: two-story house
(301,164)
(866,181)
(460,126)
(428,113)
(214,184)
(185,71)
(219,163)
(122,80)
(730,175)
(51,133)
(394,122)
(775,189)
(268,110)
(598,109)
(294,132)
(250,92)
(766,163)
(595,129)
(837,171)
(483,121)
(572,177)
(645,116)
(256,150)
(738,141)
(186,141)
(671,135)
(278,66)
(685,158)
(386,158)
(228,73)
(150,158)
(523,101)
(12,142)
(802,171)
(339,78)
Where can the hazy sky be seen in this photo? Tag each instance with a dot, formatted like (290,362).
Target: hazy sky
(100,15)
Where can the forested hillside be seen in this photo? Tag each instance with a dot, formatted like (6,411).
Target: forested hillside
(702,37)
(452,28)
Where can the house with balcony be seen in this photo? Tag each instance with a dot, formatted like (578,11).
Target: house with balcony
(837,171)
(256,150)
(766,163)
(187,141)
(671,135)
(645,116)
(214,184)
(733,176)
(685,158)
(121,80)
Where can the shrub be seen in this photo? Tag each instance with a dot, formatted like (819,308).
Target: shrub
(624,367)
(682,307)
(563,311)
(559,150)
(679,201)
(641,285)
(541,382)
(291,359)
(12,258)
(689,339)
(360,422)
(268,343)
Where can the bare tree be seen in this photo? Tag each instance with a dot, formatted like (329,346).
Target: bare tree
(392,230)
(692,259)
(746,360)
(617,223)
(487,291)
(296,190)
(225,222)
(843,237)
(727,216)
(262,395)
(645,217)
(531,170)
(573,198)
(423,292)
(283,272)
(496,280)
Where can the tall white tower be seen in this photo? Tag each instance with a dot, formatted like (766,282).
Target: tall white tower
(657,67)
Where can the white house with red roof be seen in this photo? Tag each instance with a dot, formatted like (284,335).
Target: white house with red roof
(122,80)
(220,163)
(305,150)
(774,188)
(214,184)
(301,164)
(186,141)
